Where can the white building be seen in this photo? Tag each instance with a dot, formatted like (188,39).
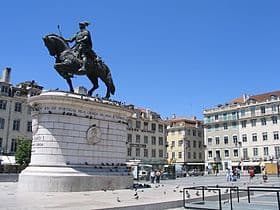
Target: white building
(15,114)
(244,133)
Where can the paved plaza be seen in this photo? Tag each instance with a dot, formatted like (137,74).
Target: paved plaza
(166,195)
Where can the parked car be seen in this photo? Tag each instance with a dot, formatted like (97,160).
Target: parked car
(195,172)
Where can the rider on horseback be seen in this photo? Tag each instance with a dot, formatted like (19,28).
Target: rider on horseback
(83,44)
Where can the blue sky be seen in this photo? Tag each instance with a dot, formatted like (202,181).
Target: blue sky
(169,56)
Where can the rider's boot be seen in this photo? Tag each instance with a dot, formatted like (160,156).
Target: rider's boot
(83,68)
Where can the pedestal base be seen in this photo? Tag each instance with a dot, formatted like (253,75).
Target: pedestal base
(74,178)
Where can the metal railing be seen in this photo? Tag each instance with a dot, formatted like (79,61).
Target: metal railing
(250,190)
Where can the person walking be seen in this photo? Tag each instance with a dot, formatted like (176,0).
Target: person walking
(153,174)
(158,177)
(251,174)
(264,174)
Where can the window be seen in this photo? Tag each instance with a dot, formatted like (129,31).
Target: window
(244,137)
(189,132)
(234,138)
(263,109)
(153,153)
(216,117)
(173,144)
(137,152)
(17,107)
(253,122)
(235,153)
(265,151)
(194,132)
(160,140)
(274,119)
(4,89)
(226,153)
(225,116)
(29,126)
(254,137)
(277,152)
(154,140)
(255,151)
(242,112)
(245,154)
(217,127)
(263,121)
(160,153)
(179,154)
(16,125)
(146,126)
(199,133)
(194,155)
(160,128)
(253,111)
(200,155)
(264,135)
(189,155)
(3,104)
(217,140)
(225,126)
(129,138)
(173,155)
(138,138)
(273,107)
(233,114)
(2,123)
(225,139)
(210,155)
(275,135)
(233,124)
(146,154)
(128,151)
(153,127)
(194,144)
(199,144)
(1,140)
(13,145)
(138,124)
(209,141)
(208,128)
(243,123)
(180,143)
(188,143)
(146,140)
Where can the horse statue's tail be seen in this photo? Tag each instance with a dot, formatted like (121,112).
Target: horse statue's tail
(111,83)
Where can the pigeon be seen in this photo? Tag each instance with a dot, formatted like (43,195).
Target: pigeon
(174,190)
(197,193)
(226,191)
(118,199)
(177,186)
(164,192)
(214,191)
(135,194)
(181,191)
(188,194)
(137,197)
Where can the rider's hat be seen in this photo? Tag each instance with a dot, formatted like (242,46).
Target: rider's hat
(84,23)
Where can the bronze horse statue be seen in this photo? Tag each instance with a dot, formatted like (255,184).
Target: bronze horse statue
(67,64)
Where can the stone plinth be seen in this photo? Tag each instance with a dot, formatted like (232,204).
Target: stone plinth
(79,144)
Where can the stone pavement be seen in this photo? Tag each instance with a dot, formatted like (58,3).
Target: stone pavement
(166,195)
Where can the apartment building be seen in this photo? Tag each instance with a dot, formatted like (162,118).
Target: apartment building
(146,138)
(15,114)
(244,133)
(185,143)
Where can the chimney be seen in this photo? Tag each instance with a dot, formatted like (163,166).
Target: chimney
(6,75)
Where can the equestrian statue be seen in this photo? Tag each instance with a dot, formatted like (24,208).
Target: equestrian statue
(79,59)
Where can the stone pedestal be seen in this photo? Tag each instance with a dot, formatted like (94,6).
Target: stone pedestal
(79,144)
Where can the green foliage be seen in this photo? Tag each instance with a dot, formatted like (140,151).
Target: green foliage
(23,152)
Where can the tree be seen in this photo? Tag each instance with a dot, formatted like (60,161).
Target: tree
(23,151)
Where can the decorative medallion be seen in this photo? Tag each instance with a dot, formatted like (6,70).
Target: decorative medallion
(93,135)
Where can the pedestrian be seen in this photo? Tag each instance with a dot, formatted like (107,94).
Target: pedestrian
(158,177)
(264,174)
(238,173)
(228,175)
(251,174)
(153,174)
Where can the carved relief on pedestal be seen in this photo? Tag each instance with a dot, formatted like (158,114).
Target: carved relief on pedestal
(93,135)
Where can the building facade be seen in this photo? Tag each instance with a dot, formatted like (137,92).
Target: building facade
(146,138)
(185,143)
(244,133)
(15,114)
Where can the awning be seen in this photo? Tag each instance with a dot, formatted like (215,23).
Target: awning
(235,164)
(7,160)
(250,163)
(192,164)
